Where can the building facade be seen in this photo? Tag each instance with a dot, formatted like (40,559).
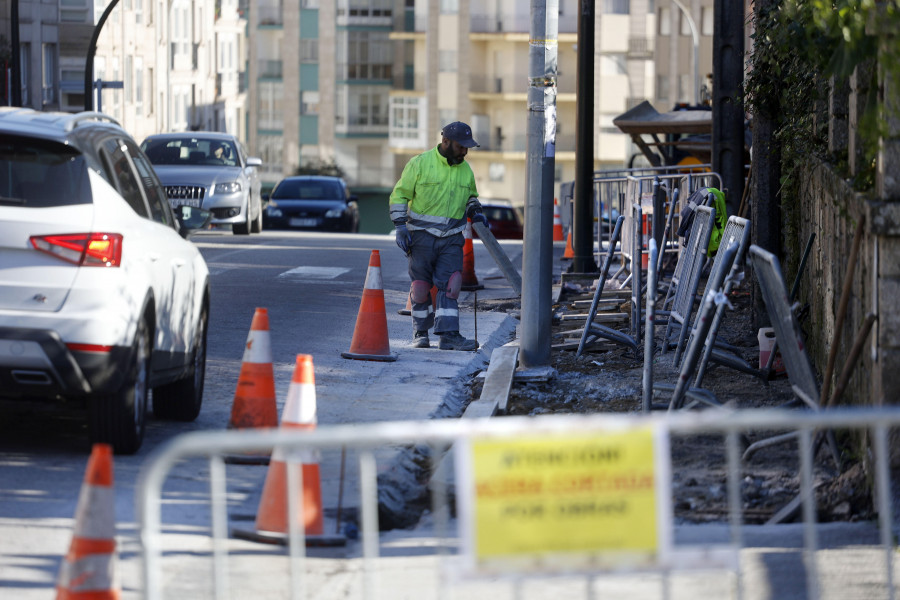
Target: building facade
(176,65)
(468,60)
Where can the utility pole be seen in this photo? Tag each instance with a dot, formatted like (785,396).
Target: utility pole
(537,251)
(583,204)
(728,110)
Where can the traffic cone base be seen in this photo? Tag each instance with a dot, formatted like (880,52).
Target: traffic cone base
(88,570)
(370,335)
(273,519)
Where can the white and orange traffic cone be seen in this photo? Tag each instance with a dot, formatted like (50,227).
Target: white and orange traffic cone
(558,235)
(273,517)
(370,336)
(88,571)
(254,404)
(469,279)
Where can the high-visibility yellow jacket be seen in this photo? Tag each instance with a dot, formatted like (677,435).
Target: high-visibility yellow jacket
(433,195)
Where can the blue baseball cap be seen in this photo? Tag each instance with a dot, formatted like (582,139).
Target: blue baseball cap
(460,133)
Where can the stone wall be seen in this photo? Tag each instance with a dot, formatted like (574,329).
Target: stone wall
(832,210)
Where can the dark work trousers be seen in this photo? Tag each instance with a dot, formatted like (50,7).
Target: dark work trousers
(434,260)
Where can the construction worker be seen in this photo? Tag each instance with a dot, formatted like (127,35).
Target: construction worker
(429,206)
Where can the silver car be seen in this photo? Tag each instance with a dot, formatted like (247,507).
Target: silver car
(209,170)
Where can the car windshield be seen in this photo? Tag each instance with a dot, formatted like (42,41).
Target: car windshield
(38,173)
(306,189)
(189,151)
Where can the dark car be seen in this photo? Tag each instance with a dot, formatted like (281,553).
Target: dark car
(312,202)
(504,220)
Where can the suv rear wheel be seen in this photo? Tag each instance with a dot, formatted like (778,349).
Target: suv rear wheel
(119,418)
(181,400)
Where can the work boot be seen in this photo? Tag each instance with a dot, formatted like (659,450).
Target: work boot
(453,341)
(420,340)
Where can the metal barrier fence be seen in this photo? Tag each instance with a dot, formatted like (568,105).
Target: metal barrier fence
(194,557)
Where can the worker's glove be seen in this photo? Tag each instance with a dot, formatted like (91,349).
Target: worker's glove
(472,206)
(403,238)
(479,218)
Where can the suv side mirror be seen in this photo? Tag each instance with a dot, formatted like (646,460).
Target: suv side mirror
(191,219)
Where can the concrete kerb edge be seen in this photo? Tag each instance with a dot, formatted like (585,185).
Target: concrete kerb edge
(403,486)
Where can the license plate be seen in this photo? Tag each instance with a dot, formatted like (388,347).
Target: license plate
(303,222)
(176,202)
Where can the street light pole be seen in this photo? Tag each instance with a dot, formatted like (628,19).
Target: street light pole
(89,63)
(695,36)
(537,251)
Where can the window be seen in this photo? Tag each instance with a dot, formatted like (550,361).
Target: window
(662,87)
(309,51)
(156,197)
(447,61)
(139,84)
(665,20)
(48,73)
(686,24)
(360,8)
(271,151)
(138,12)
(613,64)
(449,7)
(368,55)
(122,177)
(24,62)
(496,171)
(270,107)
(129,69)
(706,20)
(73,11)
(616,7)
(309,103)
(367,106)
(404,117)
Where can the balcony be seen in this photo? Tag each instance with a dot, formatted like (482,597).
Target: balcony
(640,47)
(270,16)
(516,23)
(510,84)
(269,69)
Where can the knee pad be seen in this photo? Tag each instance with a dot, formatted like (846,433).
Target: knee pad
(454,284)
(420,291)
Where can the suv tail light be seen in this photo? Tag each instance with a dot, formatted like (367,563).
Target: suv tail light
(83,249)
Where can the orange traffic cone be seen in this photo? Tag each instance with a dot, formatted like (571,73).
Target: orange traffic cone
(469,280)
(88,572)
(557,223)
(370,336)
(272,517)
(254,399)
(569,253)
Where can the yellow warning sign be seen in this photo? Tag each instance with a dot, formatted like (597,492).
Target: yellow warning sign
(591,494)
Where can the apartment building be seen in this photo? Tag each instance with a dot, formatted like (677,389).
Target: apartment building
(468,60)
(684,38)
(175,65)
(321,72)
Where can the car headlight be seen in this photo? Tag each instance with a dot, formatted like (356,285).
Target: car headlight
(334,213)
(228,188)
(274,212)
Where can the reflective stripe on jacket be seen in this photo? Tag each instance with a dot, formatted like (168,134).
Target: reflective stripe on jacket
(432,195)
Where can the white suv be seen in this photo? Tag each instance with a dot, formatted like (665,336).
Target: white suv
(101,296)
